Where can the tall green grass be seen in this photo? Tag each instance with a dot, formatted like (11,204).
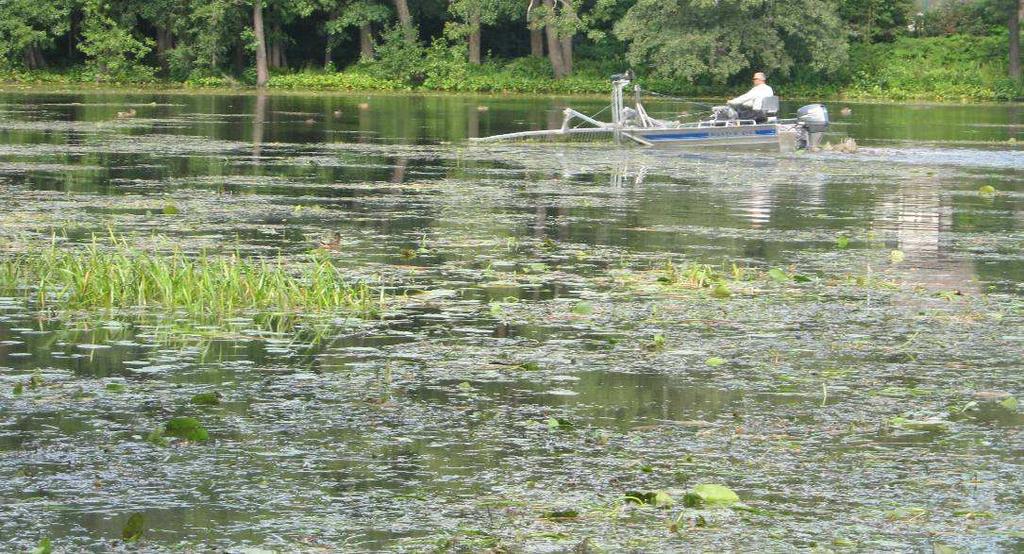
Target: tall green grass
(120,276)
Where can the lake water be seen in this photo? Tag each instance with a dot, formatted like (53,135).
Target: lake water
(540,364)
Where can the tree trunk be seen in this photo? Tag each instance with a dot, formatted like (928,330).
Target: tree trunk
(567,54)
(33,57)
(262,72)
(366,42)
(474,38)
(239,59)
(405,19)
(164,40)
(537,43)
(1014,25)
(554,45)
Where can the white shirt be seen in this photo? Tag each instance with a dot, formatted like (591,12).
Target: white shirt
(752,99)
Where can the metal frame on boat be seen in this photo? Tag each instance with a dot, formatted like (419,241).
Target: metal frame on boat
(762,128)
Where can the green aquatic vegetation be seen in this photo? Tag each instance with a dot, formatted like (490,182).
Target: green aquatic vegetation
(691,276)
(656,343)
(187,428)
(658,498)
(987,190)
(206,399)
(842,242)
(710,495)
(721,290)
(134,528)
(115,387)
(122,276)
(714,361)
(171,209)
(896,256)
(18,389)
(778,275)
(45,546)
(583,308)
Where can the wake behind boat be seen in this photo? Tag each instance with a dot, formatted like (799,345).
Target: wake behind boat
(762,128)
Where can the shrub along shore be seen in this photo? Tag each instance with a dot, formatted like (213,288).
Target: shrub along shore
(957,68)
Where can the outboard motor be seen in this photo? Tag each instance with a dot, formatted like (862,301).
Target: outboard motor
(814,120)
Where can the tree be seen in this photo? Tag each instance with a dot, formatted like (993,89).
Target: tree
(29,26)
(405,19)
(476,13)
(262,71)
(112,49)
(560,22)
(698,39)
(873,20)
(348,14)
(1014,10)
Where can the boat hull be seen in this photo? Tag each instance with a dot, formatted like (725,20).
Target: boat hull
(767,135)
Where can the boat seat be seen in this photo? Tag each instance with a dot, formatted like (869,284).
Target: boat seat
(769,110)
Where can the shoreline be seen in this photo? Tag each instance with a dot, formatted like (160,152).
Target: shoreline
(183,89)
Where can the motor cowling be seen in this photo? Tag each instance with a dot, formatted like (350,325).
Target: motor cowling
(814,118)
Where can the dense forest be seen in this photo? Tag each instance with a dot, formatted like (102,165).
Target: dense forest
(955,48)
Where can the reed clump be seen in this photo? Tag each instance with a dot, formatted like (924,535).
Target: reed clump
(120,276)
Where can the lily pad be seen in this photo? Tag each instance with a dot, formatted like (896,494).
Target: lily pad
(206,399)
(715,361)
(134,528)
(187,428)
(710,495)
(583,308)
(659,499)
(777,275)
(721,291)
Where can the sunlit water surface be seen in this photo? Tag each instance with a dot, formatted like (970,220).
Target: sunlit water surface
(521,372)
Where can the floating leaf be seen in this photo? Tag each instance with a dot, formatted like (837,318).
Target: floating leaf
(721,291)
(115,387)
(171,209)
(896,256)
(18,389)
(778,275)
(156,437)
(206,399)
(44,547)
(842,242)
(556,423)
(987,189)
(1010,403)
(710,495)
(187,428)
(465,386)
(561,514)
(931,424)
(583,308)
(529,366)
(715,361)
(802,278)
(660,499)
(134,528)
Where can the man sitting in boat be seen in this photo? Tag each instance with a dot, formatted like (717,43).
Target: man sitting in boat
(748,106)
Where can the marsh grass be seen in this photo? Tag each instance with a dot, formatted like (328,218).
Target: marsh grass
(117,275)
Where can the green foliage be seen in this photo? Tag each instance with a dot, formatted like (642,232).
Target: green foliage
(873,20)
(693,39)
(112,50)
(30,23)
(356,79)
(943,68)
(398,59)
